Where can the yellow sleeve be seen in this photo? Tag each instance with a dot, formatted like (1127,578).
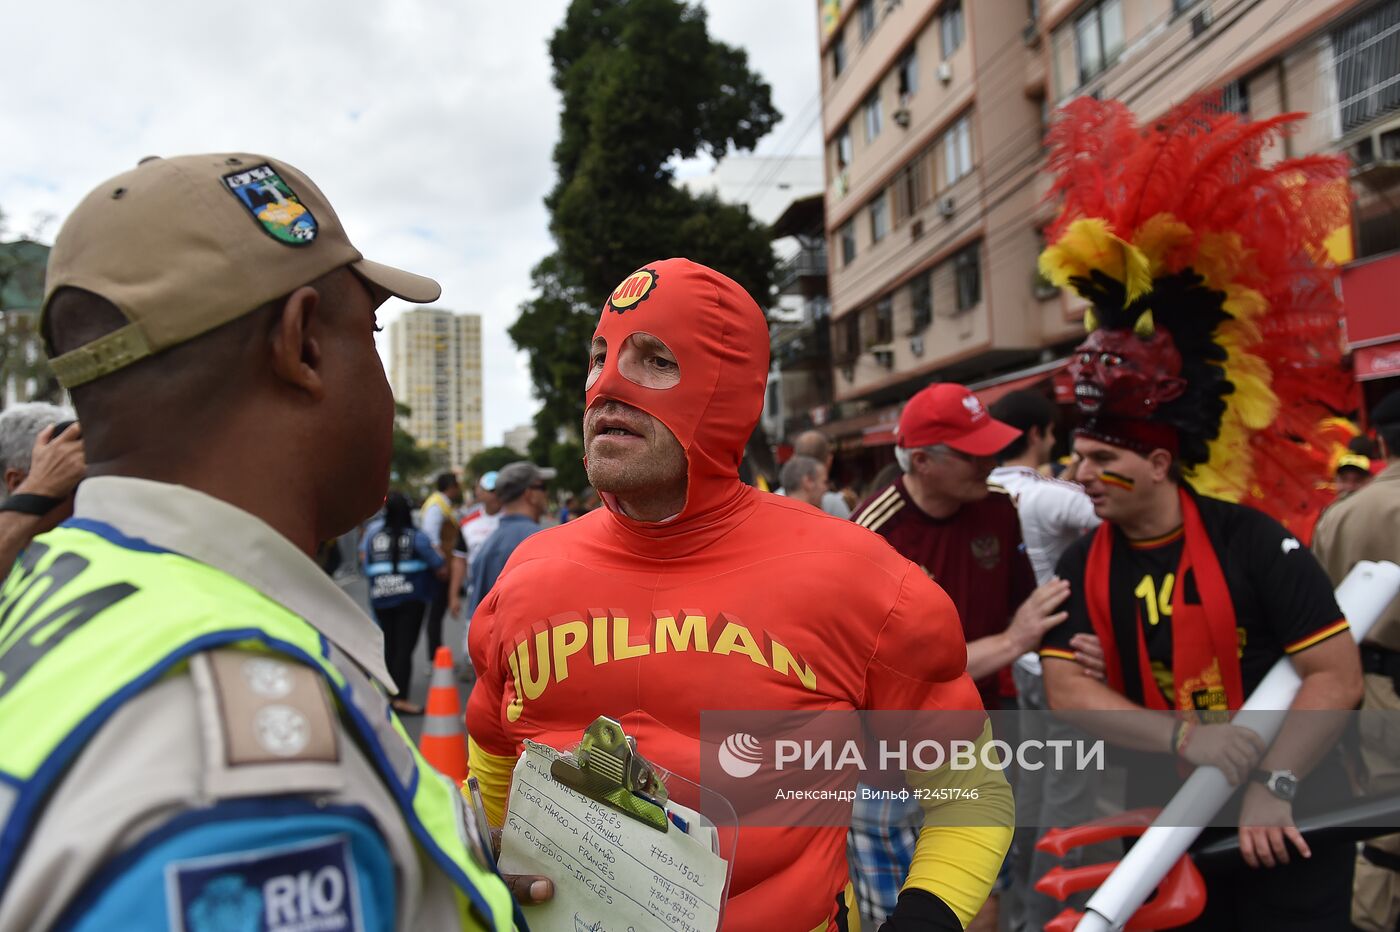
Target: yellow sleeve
(492,772)
(969,817)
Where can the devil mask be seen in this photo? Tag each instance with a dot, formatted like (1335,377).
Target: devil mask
(1126,373)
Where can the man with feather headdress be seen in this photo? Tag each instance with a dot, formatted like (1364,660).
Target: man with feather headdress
(1211,357)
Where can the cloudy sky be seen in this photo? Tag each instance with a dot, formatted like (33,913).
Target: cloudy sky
(428,124)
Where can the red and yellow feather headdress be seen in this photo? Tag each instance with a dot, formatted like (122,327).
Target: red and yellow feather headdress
(1214,314)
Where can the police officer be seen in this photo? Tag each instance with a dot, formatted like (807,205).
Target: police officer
(194,730)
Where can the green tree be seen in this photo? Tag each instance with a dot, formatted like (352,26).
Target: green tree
(409,463)
(489,459)
(643,85)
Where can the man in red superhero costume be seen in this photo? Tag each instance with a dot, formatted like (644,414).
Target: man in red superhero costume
(692,591)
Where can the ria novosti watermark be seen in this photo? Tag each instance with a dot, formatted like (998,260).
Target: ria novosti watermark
(790,768)
(742,755)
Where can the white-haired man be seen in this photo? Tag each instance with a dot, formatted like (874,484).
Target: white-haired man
(42,466)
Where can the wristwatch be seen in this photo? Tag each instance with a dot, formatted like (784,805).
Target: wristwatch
(1282,783)
(27,503)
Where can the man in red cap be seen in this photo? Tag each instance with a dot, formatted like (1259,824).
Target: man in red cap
(691,591)
(965,534)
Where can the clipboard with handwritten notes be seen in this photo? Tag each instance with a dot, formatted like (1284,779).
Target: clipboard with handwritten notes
(623,856)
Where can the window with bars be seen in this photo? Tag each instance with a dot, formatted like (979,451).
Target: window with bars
(866,14)
(1366,56)
(884,320)
(912,187)
(874,121)
(847,235)
(1098,38)
(879,216)
(957,150)
(908,74)
(967,271)
(950,28)
(920,303)
(1234,98)
(845,151)
(847,337)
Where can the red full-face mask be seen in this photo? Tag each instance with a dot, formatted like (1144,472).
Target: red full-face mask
(719,337)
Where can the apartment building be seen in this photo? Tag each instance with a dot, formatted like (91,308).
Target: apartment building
(1336,60)
(435,369)
(519,438)
(933,116)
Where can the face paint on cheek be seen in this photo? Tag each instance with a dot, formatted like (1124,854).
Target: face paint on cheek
(1108,477)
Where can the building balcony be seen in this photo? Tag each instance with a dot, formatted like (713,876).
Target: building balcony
(809,262)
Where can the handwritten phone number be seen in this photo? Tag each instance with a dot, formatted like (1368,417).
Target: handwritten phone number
(670,860)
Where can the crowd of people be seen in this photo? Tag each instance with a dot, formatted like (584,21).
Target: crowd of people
(201,729)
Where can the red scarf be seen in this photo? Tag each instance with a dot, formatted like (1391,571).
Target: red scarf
(1205,648)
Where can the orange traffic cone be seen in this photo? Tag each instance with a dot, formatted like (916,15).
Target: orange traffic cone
(444,742)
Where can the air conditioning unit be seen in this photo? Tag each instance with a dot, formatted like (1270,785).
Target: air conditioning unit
(1381,144)
(1363,153)
(945,72)
(901,116)
(916,344)
(946,206)
(884,355)
(1042,288)
(916,229)
(1201,22)
(1389,144)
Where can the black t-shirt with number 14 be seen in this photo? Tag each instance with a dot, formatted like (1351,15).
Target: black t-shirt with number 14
(1282,597)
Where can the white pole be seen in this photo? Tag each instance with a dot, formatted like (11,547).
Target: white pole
(1363,596)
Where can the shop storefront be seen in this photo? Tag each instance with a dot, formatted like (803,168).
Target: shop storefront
(1371,296)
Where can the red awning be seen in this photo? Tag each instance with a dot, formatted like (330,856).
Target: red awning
(882,436)
(1368,296)
(1377,362)
(1000,390)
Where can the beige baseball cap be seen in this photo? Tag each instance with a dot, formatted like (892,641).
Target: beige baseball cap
(184,245)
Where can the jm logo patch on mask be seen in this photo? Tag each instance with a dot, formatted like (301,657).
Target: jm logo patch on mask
(293,888)
(635,289)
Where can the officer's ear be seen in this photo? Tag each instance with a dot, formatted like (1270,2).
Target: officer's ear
(296,352)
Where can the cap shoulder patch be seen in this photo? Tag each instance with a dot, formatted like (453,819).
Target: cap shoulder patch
(273,204)
(635,289)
